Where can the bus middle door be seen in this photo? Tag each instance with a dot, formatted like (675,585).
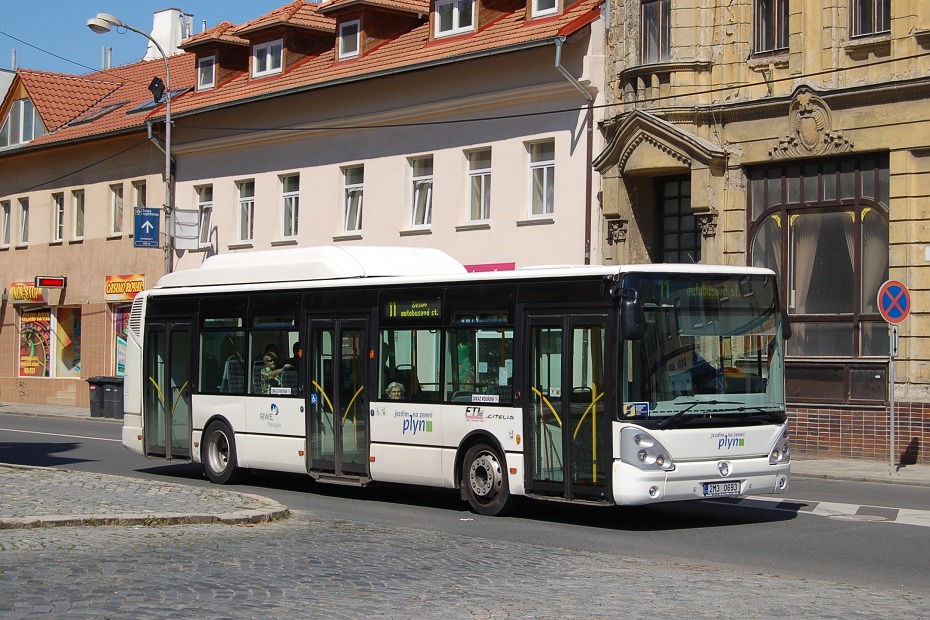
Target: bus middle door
(337,407)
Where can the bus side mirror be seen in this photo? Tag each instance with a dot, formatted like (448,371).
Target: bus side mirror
(631,315)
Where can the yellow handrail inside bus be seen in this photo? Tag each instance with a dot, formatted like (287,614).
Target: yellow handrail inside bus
(587,411)
(180,392)
(549,405)
(354,418)
(161,395)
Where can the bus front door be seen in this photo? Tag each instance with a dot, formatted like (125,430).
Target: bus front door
(336,403)
(166,397)
(567,429)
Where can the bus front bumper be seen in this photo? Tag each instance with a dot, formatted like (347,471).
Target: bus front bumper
(699,480)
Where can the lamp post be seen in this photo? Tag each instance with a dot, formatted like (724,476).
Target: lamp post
(102,24)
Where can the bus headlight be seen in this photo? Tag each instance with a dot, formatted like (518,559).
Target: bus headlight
(640,449)
(780,452)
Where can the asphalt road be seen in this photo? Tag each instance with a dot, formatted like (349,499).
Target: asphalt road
(715,536)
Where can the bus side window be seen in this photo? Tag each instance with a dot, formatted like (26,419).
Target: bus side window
(410,357)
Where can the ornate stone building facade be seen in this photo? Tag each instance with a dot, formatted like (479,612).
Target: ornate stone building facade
(793,135)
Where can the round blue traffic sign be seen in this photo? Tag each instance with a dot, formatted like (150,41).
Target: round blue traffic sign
(894,301)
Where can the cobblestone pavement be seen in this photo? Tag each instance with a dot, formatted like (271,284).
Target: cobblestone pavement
(302,568)
(41,497)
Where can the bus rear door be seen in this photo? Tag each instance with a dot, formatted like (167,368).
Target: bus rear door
(167,389)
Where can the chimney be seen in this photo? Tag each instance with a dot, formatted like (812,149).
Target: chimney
(170,27)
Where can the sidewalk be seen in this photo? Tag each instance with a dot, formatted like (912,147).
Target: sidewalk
(39,497)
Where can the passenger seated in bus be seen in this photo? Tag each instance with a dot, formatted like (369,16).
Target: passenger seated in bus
(394,391)
(271,373)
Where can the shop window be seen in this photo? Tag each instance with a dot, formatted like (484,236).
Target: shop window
(121,332)
(823,229)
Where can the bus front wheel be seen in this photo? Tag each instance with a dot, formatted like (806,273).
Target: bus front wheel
(484,481)
(218,453)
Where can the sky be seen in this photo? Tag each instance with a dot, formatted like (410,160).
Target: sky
(52,35)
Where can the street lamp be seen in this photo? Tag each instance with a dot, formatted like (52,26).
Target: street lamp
(101,25)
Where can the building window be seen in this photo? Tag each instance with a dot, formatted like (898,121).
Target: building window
(656,28)
(23,221)
(679,237)
(349,39)
(246,191)
(5,224)
(138,194)
(422,173)
(870,17)
(354,179)
(479,185)
(205,209)
(116,210)
(455,16)
(544,7)
(77,200)
(770,24)
(21,125)
(58,217)
(823,228)
(290,202)
(206,72)
(542,178)
(267,58)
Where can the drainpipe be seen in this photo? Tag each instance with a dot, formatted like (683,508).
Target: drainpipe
(589,155)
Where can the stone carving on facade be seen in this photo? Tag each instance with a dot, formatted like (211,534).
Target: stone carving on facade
(616,229)
(810,126)
(707,222)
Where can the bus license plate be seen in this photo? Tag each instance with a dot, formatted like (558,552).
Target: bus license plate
(716,489)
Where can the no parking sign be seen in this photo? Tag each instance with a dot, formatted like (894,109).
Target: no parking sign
(894,301)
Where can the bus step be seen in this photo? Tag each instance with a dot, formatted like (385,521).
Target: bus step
(350,481)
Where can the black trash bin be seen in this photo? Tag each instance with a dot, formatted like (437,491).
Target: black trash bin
(96,385)
(113,397)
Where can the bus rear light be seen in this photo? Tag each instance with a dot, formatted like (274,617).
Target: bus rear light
(513,471)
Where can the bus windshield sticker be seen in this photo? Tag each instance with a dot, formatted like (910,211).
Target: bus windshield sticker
(636,410)
(280,390)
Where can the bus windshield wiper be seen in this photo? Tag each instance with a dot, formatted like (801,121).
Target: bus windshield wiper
(669,421)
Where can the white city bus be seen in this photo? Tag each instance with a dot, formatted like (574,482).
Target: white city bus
(609,385)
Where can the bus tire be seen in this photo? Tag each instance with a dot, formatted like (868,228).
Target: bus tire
(484,481)
(218,453)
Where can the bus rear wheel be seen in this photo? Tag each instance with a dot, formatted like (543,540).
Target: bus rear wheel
(218,453)
(484,481)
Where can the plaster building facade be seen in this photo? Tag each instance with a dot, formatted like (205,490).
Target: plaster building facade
(796,136)
(467,126)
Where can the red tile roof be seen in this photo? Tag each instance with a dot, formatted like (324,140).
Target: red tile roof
(220,33)
(407,6)
(297,14)
(60,98)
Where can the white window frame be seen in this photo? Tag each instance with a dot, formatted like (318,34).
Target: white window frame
(479,187)
(5,223)
(421,204)
(290,207)
(23,124)
(206,72)
(78,213)
(346,37)
(267,53)
(23,221)
(542,180)
(58,217)
(541,8)
(116,210)
(457,26)
(205,213)
(246,210)
(354,190)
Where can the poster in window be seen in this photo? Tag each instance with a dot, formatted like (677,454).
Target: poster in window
(68,342)
(121,328)
(34,341)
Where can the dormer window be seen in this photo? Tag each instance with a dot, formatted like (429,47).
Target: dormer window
(456,16)
(21,125)
(267,58)
(206,72)
(349,39)
(545,7)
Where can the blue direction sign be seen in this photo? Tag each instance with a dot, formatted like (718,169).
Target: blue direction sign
(894,301)
(147,228)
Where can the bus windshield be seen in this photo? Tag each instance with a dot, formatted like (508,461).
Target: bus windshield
(711,353)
